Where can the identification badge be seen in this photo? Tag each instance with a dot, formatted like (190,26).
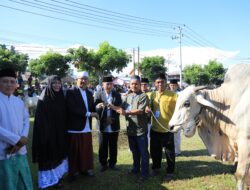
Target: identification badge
(129,108)
(157,114)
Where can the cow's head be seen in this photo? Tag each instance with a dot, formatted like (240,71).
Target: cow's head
(188,107)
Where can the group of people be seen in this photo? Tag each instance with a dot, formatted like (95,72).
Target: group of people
(62,131)
(139,106)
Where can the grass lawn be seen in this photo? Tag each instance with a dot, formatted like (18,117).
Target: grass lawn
(195,170)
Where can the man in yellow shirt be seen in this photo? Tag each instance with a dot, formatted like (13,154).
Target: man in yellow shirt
(162,105)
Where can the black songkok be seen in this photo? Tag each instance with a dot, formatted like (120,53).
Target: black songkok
(173,81)
(107,79)
(144,80)
(161,76)
(7,73)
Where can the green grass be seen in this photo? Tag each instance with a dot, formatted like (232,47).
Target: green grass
(195,170)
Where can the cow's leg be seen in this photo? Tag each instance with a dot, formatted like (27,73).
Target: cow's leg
(31,111)
(243,164)
(234,168)
(34,111)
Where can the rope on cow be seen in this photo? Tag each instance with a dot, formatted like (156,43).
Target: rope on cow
(152,96)
(160,123)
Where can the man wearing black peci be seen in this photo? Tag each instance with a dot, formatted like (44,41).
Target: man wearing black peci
(109,123)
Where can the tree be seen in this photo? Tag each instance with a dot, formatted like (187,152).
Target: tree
(212,74)
(105,60)
(215,71)
(51,63)
(194,74)
(10,58)
(151,66)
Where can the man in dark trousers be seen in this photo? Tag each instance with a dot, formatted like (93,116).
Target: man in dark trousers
(81,109)
(133,108)
(162,104)
(109,123)
(174,87)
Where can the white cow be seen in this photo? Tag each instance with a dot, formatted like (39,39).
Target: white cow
(222,117)
(31,103)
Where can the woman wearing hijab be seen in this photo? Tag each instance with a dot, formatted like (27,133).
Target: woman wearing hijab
(49,146)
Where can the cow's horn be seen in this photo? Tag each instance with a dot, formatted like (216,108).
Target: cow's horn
(200,99)
(197,88)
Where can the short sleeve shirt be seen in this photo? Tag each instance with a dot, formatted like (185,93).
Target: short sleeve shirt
(165,103)
(136,124)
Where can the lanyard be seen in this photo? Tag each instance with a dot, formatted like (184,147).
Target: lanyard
(109,98)
(157,112)
(130,105)
(158,96)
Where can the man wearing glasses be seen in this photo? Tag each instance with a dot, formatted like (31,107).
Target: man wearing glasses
(81,109)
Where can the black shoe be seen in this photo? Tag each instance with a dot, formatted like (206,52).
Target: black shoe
(132,172)
(89,173)
(113,168)
(59,185)
(141,179)
(177,154)
(155,172)
(168,178)
(103,168)
(71,178)
(234,168)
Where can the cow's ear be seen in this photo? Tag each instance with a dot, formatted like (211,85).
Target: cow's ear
(201,100)
(198,88)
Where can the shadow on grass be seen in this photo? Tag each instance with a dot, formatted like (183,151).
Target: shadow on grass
(114,180)
(192,169)
(119,180)
(108,180)
(192,153)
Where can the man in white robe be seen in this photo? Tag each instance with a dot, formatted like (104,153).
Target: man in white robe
(14,129)
(177,136)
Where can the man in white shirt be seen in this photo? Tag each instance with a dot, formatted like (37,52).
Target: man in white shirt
(14,129)
(177,136)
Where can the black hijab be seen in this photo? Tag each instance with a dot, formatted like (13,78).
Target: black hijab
(50,132)
(48,92)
